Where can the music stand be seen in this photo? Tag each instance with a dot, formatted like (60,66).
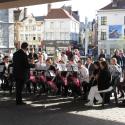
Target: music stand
(61,67)
(1,68)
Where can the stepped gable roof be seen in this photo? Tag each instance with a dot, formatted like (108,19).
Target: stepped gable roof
(37,18)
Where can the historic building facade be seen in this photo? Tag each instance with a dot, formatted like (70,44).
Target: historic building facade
(111,26)
(31,30)
(61,29)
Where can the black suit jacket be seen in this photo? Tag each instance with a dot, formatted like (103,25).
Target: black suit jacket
(90,68)
(3,69)
(33,56)
(21,65)
(104,79)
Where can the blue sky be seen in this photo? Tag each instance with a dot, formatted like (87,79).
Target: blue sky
(86,8)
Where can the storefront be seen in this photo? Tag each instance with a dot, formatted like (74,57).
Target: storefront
(52,45)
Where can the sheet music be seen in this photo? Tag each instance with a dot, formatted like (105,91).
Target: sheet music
(72,67)
(75,67)
(52,73)
(39,66)
(61,67)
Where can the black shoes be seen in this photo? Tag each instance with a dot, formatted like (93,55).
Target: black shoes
(20,103)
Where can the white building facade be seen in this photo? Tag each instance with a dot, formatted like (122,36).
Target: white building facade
(60,31)
(6,30)
(111,27)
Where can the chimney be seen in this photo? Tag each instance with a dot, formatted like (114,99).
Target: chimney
(49,7)
(114,3)
(69,9)
(25,12)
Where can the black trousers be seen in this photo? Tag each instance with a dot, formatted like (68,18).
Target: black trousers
(19,88)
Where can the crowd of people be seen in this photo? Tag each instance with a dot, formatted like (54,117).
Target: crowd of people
(63,74)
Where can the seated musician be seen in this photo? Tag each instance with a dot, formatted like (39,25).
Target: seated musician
(72,77)
(11,77)
(64,57)
(83,76)
(50,75)
(39,62)
(61,78)
(5,72)
(40,66)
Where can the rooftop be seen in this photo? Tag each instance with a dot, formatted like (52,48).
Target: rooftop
(120,4)
(59,14)
(37,18)
(56,14)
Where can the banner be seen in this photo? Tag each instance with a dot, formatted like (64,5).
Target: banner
(115,31)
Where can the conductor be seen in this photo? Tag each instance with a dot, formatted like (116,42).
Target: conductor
(20,70)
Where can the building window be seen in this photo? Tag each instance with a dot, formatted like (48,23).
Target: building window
(39,38)
(26,28)
(33,28)
(34,38)
(124,19)
(49,36)
(38,28)
(62,25)
(30,21)
(103,35)
(51,25)
(26,37)
(103,20)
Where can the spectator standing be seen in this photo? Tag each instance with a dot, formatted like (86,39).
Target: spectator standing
(117,56)
(116,73)
(102,54)
(90,66)
(122,55)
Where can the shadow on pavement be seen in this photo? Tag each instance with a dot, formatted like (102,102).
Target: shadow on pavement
(47,110)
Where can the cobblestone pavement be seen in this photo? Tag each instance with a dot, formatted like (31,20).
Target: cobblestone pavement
(42,110)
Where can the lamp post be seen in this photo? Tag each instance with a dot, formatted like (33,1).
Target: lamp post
(86,36)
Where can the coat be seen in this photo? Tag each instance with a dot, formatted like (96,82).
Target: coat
(21,65)
(90,68)
(104,79)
